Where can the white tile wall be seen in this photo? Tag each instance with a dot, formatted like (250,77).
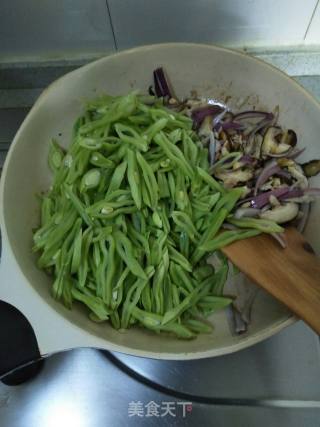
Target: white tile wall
(49,29)
(313,34)
(52,29)
(228,22)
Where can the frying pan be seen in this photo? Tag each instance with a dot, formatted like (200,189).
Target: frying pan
(235,78)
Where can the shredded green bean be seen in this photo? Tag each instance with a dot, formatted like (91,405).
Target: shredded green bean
(130,218)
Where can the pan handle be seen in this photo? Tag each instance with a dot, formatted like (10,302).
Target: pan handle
(18,347)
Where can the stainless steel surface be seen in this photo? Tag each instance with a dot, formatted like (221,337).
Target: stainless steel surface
(84,389)
(54,29)
(275,383)
(254,23)
(267,370)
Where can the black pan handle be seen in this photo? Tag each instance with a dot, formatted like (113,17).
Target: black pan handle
(18,347)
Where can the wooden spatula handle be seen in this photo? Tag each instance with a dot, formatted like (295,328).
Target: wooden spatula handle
(292,275)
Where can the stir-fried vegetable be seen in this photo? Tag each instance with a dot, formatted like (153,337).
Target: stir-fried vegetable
(251,149)
(141,197)
(130,218)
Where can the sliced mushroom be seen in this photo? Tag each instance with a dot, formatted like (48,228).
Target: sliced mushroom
(284,162)
(297,172)
(274,201)
(289,137)
(311,168)
(271,144)
(236,141)
(271,184)
(281,214)
(206,127)
(231,179)
(225,148)
(256,147)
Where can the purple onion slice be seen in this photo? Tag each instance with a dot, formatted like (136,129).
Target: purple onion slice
(160,83)
(252,114)
(199,114)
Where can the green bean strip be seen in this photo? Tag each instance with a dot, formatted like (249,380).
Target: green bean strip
(142,240)
(208,179)
(131,216)
(185,223)
(145,194)
(107,294)
(153,321)
(155,128)
(179,259)
(163,185)
(83,269)
(78,205)
(76,256)
(150,180)
(117,177)
(214,303)
(121,108)
(56,156)
(198,326)
(117,292)
(134,178)
(99,160)
(213,227)
(226,238)
(125,251)
(179,280)
(173,153)
(46,210)
(262,225)
(172,185)
(191,150)
(203,271)
(157,286)
(133,297)
(128,135)
(94,303)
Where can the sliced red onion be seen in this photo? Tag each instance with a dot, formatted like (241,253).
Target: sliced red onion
(287,153)
(262,199)
(246,212)
(232,125)
(270,169)
(160,83)
(280,238)
(296,153)
(305,209)
(260,126)
(217,119)
(284,174)
(247,160)
(252,114)
(199,114)
(291,194)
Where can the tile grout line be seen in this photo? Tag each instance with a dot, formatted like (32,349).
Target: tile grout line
(112,27)
(311,19)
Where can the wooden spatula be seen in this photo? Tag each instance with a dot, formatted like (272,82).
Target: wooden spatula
(292,275)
